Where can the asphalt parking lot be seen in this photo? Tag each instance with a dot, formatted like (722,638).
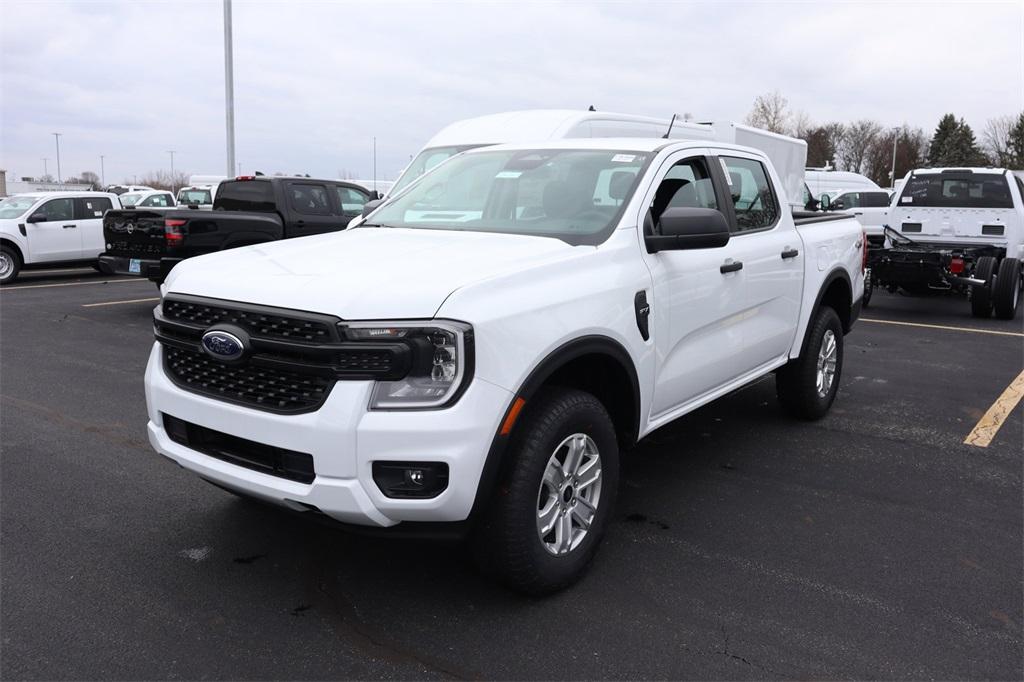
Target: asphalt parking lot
(872,544)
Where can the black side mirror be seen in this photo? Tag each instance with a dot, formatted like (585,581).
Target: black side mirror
(371,206)
(374,195)
(39,217)
(689,228)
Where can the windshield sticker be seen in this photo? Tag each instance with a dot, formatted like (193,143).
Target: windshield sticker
(907,200)
(508,175)
(98,214)
(623,158)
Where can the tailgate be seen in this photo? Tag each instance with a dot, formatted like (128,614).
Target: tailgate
(134,234)
(974,225)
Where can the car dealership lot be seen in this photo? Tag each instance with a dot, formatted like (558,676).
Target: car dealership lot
(874,543)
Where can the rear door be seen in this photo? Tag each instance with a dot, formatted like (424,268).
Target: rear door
(89,216)
(312,208)
(57,237)
(765,241)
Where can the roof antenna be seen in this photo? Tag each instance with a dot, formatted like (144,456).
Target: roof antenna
(591,108)
(670,124)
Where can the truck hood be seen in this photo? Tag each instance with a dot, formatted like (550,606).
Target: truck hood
(363,273)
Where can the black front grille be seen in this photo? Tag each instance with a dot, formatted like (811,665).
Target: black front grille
(258,323)
(295,466)
(247,384)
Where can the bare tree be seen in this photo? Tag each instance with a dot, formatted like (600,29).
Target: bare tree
(770,112)
(911,150)
(801,125)
(996,139)
(91,179)
(164,180)
(857,140)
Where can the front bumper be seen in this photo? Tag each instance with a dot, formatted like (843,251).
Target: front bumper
(344,439)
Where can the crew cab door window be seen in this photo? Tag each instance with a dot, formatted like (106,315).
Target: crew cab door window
(753,198)
(687,184)
(157,200)
(89,208)
(350,200)
(308,199)
(845,201)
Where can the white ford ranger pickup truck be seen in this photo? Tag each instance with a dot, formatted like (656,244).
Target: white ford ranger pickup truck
(480,350)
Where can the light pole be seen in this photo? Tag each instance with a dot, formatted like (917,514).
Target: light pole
(56,136)
(103,173)
(171,152)
(229,88)
(892,173)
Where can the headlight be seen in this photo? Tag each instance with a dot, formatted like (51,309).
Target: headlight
(441,361)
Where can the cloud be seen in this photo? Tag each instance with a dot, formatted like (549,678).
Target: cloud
(316,81)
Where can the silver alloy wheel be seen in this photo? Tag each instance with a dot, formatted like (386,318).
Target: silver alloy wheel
(569,494)
(828,356)
(6,265)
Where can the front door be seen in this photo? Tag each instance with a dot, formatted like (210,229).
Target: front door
(698,300)
(57,237)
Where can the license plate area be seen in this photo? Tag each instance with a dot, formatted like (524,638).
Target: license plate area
(135,266)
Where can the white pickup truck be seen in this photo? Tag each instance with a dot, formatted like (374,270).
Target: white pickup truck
(480,351)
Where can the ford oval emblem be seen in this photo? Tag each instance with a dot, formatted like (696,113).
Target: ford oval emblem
(129,228)
(223,345)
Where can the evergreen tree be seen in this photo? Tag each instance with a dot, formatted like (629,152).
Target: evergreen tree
(954,144)
(938,149)
(1015,146)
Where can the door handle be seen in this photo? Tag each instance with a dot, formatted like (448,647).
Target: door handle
(68,226)
(790,253)
(300,222)
(731,267)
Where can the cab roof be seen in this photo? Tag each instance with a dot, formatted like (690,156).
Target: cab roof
(58,195)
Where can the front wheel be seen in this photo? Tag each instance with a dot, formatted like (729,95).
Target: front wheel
(10,264)
(553,502)
(807,386)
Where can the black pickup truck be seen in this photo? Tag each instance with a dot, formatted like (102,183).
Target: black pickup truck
(247,210)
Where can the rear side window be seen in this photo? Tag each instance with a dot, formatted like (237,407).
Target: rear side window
(874,199)
(90,208)
(752,196)
(350,200)
(309,199)
(245,195)
(956,190)
(161,200)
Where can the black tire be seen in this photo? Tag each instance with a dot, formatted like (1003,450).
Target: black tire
(507,542)
(1006,291)
(796,384)
(981,295)
(10,264)
(869,288)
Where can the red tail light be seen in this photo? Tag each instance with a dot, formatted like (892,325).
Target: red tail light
(172,232)
(956,266)
(246,177)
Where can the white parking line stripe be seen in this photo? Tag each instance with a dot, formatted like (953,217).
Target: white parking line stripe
(942,326)
(988,426)
(74,284)
(134,300)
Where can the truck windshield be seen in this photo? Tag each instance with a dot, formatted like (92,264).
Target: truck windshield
(576,195)
(130,199)
(195,196)
(956,190)
(426,160)
(15,207)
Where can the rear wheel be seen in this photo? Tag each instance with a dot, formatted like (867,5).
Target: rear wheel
(807,386)
(981,294)
(10,264)
(1006,291)
(553,503)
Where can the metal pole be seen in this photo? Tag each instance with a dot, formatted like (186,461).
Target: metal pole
(374,163)
(892,173)
(45,170)
(171,152)
(103,173)
(56,136)
(229,87)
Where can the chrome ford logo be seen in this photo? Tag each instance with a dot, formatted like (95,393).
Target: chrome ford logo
(129,228)
(223,345)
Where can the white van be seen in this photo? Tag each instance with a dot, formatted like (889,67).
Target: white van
(833,183)
(539,125)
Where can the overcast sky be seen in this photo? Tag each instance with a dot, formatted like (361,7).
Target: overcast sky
(316,81)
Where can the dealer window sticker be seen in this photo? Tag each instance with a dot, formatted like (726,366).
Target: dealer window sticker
(623,158)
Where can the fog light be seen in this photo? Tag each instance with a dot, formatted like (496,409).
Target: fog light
(411,479)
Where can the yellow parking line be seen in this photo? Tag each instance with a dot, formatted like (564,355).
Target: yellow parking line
(942,326)
(134,300)
(72,284)
(987,427)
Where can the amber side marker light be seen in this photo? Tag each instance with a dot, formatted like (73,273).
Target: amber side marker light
(513,414)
